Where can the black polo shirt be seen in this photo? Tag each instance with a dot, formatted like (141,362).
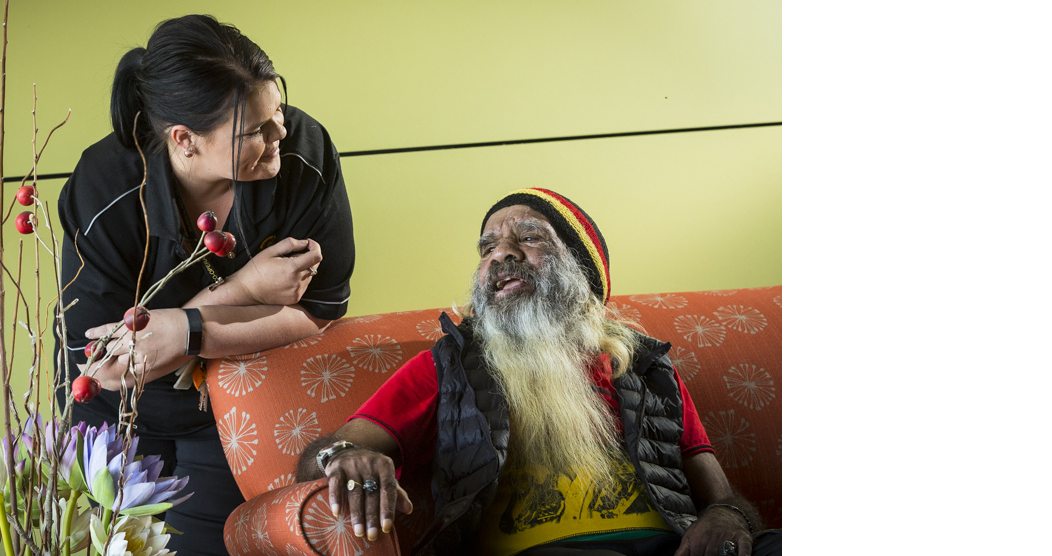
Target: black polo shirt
(307,199)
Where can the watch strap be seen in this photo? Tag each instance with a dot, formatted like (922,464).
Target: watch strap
(194,331)
(331,450)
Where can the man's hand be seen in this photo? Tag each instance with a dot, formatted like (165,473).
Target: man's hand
(717,524)
(370,511)
(162,344)
(279,274)
(713,528)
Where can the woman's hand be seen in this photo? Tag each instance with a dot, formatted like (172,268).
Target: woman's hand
(279,274)
(162,345)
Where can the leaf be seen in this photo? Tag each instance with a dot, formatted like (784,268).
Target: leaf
(76,473)
(98,534)
(102,488)
(149,509)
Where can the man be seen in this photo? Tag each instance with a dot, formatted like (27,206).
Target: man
(551,429)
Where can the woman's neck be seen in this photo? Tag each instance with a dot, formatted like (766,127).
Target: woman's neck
(199,195)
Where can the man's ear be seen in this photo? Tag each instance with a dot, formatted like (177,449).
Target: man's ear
(181,136)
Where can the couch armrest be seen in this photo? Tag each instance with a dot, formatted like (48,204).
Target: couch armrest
(296,520)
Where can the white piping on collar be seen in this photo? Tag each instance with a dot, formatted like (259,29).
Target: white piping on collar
(309,165)
(119,197)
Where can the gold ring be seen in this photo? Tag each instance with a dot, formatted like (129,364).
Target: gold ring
(351,485)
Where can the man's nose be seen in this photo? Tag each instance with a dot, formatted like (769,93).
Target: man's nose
(508,250)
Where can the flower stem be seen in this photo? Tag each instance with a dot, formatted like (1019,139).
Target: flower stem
(107,518)
(5,527)
(67,521)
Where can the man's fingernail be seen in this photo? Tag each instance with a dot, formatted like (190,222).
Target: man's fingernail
(335,509)
(373,533)
(387,525)
(359,530)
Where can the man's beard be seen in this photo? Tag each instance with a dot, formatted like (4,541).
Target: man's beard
(540,347)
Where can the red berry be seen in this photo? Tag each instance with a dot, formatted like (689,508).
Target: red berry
(207,221)
(97,347)
(85,388)
(25,222)
(214,241)
(25,195)
(229,242)
(136,318)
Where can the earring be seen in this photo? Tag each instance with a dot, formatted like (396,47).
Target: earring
(189,151)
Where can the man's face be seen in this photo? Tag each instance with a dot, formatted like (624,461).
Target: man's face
(515,236)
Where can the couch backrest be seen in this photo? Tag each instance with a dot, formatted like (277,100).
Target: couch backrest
(726,347)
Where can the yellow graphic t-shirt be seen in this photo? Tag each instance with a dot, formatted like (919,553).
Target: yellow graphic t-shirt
(535,507)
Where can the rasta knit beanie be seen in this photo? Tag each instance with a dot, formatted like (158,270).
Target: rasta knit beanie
(574,227)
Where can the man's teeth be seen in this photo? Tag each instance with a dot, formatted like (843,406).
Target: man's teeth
(504,282)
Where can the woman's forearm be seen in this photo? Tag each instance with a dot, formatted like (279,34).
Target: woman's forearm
(234,330)
(230,293)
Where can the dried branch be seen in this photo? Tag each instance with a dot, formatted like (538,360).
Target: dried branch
(32,171)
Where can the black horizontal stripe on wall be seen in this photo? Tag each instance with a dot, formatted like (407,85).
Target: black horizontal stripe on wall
(41,177)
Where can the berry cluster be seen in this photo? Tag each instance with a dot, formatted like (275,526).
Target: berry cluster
(136,319)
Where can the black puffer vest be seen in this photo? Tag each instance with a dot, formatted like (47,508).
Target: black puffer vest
(473,430)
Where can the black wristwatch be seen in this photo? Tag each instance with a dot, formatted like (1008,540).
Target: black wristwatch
(193,332)
(326,454)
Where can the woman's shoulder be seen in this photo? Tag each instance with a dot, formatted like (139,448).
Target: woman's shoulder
(106,172)
(307,144)
(109,156)
(306,137)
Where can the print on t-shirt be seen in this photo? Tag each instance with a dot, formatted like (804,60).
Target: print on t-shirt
(546,500)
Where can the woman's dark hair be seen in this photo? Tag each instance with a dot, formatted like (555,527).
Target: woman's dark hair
(193,71)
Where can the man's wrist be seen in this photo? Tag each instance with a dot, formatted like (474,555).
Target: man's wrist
(326,454)
(735,509)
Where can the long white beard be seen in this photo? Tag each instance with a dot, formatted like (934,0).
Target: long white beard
(540,348)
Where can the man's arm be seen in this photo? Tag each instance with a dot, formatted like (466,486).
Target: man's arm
(374,458)
(717,523)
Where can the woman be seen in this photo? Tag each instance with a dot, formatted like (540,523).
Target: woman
(203,103)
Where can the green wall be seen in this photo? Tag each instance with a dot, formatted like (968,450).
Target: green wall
(686,211)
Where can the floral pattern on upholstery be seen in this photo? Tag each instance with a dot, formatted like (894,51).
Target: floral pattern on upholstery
(239,437)
(699,330)
(376,353)
(240,374)
(327,375)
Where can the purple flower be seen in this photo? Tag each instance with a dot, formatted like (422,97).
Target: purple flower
(144,493)
(63,448)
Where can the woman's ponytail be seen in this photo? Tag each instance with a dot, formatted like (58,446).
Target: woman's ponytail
(126,100)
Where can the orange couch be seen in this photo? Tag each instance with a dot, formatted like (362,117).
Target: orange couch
(269,405)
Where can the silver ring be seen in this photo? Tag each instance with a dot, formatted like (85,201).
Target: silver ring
(313,271)
(352,484)
(370,486)
(729,549)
